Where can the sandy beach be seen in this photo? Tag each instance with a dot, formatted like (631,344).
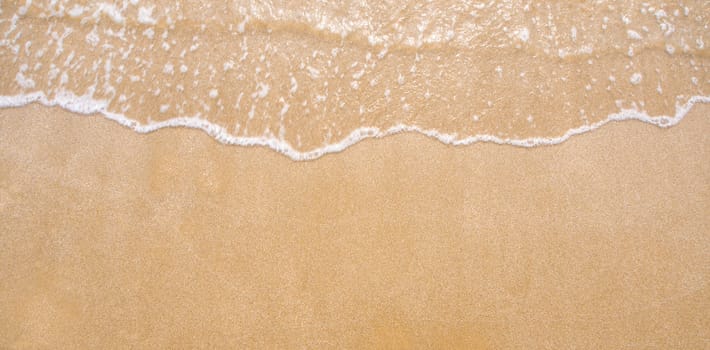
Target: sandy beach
(505,174)
(114,239)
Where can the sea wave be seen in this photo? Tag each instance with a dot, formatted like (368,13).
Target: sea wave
(314,79)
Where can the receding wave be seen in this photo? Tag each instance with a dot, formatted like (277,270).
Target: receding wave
(308,78)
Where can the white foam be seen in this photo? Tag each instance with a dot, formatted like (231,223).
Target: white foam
(145,15)
(76,11)
(670,49)
(262,91)
(632,34)
(314,73)
(523,34)
(23,9)
(87,105)
(149,33)
(357,75)
(294,86)
(284,109)
(109,10)
(92,38)
(22,80)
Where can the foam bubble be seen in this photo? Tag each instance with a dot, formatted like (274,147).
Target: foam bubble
(145,15)
(632,34)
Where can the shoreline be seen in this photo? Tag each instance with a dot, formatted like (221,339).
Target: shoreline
(78,105)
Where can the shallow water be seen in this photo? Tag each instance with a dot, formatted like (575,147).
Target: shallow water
(308,77)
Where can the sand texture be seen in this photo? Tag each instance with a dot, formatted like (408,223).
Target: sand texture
(113,239)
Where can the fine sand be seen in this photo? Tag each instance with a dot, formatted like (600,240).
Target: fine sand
(113,239)
(311,76)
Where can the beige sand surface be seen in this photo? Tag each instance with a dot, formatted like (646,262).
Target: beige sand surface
(112,239)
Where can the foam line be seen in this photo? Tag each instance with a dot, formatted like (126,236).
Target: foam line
(87,105)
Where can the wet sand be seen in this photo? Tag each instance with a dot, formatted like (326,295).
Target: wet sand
(313,77)
(113,239)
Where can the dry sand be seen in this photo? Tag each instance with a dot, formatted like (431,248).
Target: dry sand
(112,239)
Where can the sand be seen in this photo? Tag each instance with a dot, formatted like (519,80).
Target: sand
(113,239)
